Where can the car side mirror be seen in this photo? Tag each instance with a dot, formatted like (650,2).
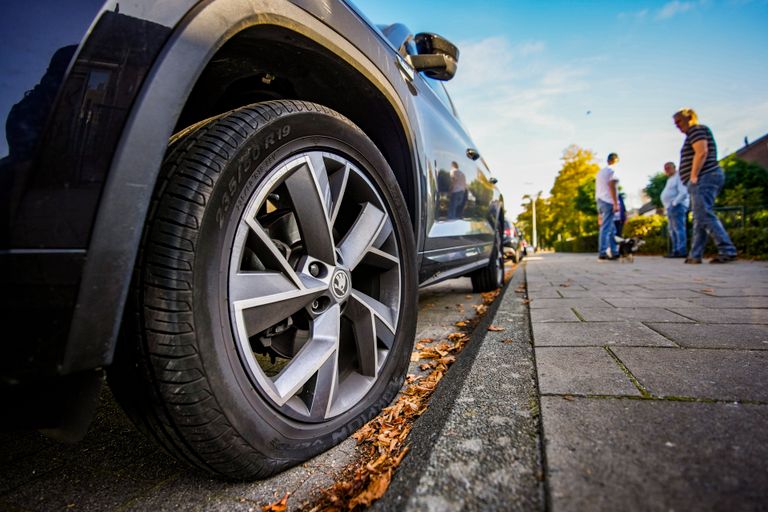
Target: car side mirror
(437,57)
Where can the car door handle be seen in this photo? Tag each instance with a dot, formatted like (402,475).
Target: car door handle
(493,181)
(473,153)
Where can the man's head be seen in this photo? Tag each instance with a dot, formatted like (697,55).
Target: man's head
(685,118)
(612,158)
(669,169)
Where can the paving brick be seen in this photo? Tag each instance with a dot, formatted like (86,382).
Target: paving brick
(724,316)
(699,373)
(738,336)
(586,302)
(581,371)
(630,314)
(639,455)
(553,315)
(598,334)
(729,302)
(635,302)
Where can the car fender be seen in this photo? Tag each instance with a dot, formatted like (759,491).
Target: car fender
(137,161)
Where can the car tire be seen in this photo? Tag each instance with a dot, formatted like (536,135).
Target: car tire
(491,276)
(273,308)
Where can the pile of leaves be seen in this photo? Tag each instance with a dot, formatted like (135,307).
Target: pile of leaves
(383,440)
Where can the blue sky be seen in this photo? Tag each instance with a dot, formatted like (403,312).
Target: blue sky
(535,77)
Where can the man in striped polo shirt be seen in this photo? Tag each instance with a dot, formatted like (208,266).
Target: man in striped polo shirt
(701,172)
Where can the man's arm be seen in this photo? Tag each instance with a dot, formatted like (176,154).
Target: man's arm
(614,195)
(700,151)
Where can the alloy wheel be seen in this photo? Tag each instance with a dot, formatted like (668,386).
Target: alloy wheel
(314,286)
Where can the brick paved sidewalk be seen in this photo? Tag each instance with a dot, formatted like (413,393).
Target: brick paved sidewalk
(654,382)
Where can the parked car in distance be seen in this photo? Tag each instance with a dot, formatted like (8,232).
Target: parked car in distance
(513,247)
(228,207)
(527,249)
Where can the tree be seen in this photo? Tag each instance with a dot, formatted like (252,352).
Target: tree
(654,188)
(524,221)
(585,198)
(579,168)
(746,184)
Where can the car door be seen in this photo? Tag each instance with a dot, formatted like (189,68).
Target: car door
(460,189)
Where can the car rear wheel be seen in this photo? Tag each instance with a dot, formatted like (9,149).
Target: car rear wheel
(491,276)
(275,300)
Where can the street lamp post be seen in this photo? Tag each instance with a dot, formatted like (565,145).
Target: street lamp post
(535,237)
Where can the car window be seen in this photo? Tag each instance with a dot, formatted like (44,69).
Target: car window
(439,89)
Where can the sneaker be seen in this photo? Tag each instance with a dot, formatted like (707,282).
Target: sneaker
(693,261)
(603,257)
(722,258)
(615,257)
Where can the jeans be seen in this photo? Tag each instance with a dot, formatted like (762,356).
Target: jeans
(676,227)
(705,222)
(456,205)
(607,229)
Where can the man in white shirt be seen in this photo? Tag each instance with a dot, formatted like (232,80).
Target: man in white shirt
(607,196)
(675,199)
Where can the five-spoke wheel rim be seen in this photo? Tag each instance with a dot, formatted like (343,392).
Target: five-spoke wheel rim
(314,286)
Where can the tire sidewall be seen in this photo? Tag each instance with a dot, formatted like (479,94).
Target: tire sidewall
(253,161)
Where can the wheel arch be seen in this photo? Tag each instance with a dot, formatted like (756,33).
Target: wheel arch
(165,105)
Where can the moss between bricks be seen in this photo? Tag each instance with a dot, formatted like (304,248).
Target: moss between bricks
(632,378)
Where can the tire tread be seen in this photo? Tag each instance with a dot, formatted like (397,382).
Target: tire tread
(175,404)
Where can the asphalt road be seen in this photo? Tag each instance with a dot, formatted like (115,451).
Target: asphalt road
(116,468)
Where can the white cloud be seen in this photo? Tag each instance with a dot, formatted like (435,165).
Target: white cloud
(676,7)
(511,98)
(530,48)
(636,15)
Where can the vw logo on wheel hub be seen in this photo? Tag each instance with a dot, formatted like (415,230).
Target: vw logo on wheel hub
(340,284)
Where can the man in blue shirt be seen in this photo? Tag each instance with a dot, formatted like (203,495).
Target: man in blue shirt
(675,199)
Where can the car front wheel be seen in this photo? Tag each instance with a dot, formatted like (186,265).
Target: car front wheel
(274,305)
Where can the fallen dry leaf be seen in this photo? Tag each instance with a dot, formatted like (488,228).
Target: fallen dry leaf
(570,398)
(382,440)
(495,328)
(278,506)
(507,340)
(527,301)
(375,490)
(708,291)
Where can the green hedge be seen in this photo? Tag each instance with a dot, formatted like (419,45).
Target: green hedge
(751,241)
(581,244)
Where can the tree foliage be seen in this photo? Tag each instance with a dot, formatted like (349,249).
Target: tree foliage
(585,198)
(570,210)
(654,188)
(746,184)
(579,168)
